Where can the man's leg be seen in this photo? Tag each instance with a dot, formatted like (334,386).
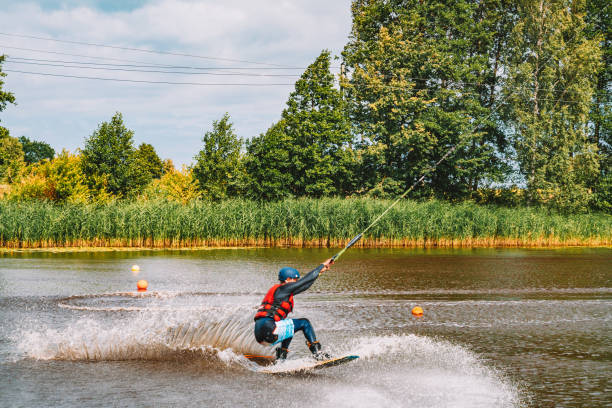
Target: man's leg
(311,338)
(305,326)
(285,344)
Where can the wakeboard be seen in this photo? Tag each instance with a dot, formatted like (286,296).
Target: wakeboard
(289,367)
(261,359)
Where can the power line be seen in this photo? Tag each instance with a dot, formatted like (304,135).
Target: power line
(223,84)
(178,54)
(604,93)
(141,65)
(481,84)
(146,81)
(75,55)
(111,67)
(460,92)
(152,71)
(130,60)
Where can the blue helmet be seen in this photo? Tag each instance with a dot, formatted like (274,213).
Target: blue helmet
(288,272)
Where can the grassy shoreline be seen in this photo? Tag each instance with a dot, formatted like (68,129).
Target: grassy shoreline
(292,223)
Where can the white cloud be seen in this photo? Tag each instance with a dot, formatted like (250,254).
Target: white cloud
(173,118)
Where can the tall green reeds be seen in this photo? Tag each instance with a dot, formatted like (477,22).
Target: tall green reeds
(304,222)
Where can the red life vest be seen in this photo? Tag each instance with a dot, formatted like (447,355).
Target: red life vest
(277,309)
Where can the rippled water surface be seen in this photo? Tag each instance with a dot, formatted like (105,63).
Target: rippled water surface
(501,328)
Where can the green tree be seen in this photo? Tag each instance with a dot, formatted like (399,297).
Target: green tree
(218,168)
(319,132)
(174,185)
(11,153)
(422,77)
(599,27)
(109,160)
(11,157)
(552,77)
(267,165)
(35,151)
(5,97)
(60,179)
(149,161)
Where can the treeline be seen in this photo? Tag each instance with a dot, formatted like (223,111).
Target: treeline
(326,222)
(522,89)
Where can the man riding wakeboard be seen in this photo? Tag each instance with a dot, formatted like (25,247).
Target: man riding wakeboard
(271,323)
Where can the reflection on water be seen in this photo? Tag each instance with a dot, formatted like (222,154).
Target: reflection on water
(501,328)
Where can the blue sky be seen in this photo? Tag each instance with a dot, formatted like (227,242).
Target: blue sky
(103,5)
(64,111)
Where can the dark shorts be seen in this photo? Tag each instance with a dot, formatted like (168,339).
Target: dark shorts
(265,326)
(264,329)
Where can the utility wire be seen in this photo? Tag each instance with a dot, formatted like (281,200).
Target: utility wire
(142,65)
(179,54)
(462,93)
(108,67)
(146,81)
(78,55)
(478,84)
(152,71)
(274,66)
(498,87)
(129,60)
(111,67)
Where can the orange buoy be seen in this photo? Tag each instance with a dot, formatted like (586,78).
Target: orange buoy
(142,285)
(417,311)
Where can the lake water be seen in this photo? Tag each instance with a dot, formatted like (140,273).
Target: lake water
(501,328)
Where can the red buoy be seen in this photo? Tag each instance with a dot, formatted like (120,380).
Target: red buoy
(142,285)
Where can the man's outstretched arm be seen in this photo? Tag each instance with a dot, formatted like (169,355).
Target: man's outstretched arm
(305,282)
